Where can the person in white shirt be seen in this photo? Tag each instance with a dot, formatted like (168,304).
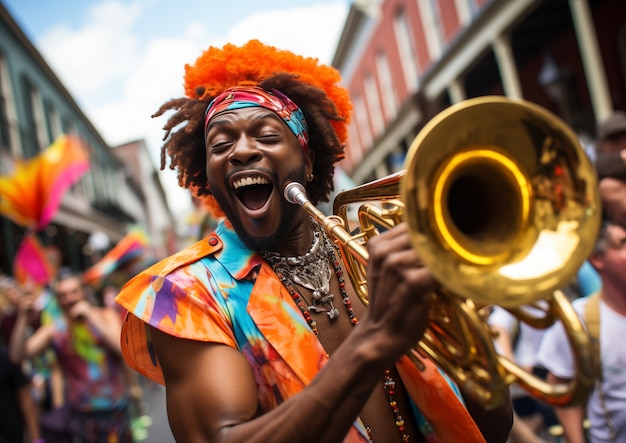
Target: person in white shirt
(606,406)
(519,342)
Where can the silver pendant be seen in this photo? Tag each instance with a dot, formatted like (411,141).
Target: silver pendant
(333,313)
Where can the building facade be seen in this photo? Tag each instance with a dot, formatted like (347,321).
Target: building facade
(403,61)
(116,193)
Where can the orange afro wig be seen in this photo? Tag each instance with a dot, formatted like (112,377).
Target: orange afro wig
(314,87)
(220,68)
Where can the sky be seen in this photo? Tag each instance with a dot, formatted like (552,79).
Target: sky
(121,59)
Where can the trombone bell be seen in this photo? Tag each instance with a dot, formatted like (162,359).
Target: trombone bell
(501,200)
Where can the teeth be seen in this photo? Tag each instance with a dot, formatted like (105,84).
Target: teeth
(249,181)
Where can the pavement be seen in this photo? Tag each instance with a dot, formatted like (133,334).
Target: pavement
(158,430)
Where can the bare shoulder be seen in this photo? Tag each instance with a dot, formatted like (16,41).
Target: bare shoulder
(210,386)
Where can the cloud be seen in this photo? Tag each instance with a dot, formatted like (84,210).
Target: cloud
(312,31)
(92,58)
(120,78)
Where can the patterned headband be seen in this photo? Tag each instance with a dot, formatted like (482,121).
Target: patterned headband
(239,97)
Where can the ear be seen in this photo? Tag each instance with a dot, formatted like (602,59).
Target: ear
(309,161)
(596,261)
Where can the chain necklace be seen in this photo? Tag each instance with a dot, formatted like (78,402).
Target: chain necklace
(299,269)
(311,271)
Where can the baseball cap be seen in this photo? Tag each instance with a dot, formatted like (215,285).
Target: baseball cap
(613,124)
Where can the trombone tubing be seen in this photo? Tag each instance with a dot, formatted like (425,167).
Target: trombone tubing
(294,193)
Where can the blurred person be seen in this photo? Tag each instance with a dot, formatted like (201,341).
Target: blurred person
(18,410)
(611,166)
(606,407)
(253,330)
(519,342)
(85,341)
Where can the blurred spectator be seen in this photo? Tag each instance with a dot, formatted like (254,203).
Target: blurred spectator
(19,411)
(611,166)
(86,342)
(519,342)
(605,317)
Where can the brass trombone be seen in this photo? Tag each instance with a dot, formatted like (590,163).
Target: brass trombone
(502,207)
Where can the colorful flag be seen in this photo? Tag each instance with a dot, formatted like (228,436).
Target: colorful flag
(32,194)
(31,197)
(129,249)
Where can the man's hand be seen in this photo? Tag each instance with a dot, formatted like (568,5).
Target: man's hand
(81,309)
(400,289)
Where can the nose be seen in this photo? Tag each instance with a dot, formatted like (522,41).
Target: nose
(245,151)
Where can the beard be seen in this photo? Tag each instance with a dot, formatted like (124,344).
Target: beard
(288,220)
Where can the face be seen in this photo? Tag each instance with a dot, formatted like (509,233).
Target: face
(612,263)
(614,143)
(251,156)
(69,291)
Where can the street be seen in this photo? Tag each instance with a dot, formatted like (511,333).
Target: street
(154,398)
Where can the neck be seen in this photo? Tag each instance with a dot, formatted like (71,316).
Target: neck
(614,298)
(298,241)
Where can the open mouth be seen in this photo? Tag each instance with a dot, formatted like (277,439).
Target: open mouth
(253,191)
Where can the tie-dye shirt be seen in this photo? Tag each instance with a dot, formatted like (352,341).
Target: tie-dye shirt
(93,374)
(204,293)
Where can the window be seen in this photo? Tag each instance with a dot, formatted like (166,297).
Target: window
(466,9)
(408,57)
(35,135)
(8,126)
(431,20)
(54,122)
(387,89)
(365,133)
(373,105)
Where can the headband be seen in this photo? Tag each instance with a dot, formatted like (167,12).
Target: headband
(239,97)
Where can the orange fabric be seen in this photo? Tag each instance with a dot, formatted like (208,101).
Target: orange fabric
(449,418)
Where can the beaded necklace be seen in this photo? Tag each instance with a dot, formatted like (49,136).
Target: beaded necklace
(279,265)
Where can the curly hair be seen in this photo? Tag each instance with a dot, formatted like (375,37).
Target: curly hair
(310,85)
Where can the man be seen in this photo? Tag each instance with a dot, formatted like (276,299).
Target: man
(606,407)
(85,340)
(611,165)
(246,328)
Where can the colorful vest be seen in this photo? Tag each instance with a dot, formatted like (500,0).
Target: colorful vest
(201,294)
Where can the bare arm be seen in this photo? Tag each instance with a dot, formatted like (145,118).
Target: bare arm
(20,347)
(57,384)
(571,418)
(30,412)
(211,391)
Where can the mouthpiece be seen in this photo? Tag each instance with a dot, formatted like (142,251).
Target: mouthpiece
(294,193)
